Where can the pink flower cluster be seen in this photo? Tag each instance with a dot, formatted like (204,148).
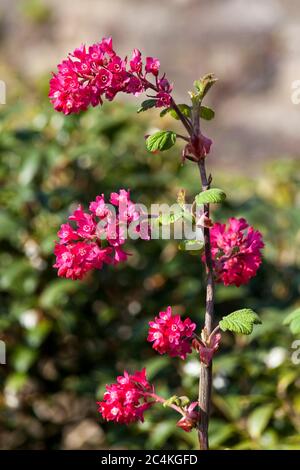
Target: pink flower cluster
(89,74)
(236,251)
(126,401)
(171,335)
(98,235)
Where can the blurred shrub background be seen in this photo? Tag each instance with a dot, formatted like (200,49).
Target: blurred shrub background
(65,340)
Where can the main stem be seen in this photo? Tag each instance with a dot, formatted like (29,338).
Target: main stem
(205,378)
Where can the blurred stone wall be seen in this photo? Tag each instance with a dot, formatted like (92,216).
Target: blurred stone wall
(252,46)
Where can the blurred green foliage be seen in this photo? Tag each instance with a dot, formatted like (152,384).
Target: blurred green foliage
(65,340)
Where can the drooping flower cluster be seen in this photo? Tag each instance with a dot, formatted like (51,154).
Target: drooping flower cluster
(98,235)
(126,401)
(89,74)
(236,251)
(171,335)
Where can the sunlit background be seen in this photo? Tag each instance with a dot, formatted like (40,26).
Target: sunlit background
(65,340)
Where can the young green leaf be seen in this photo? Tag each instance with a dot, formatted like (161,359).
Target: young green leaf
(204,85)
(213,195)
(206,113)
(184,108)
(293,320)
(147,104)
(161,140)
(174,400)
(240,321)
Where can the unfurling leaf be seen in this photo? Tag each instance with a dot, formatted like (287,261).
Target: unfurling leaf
(213,195)
(240,321)
(174,400)
(204,84)
(161,140)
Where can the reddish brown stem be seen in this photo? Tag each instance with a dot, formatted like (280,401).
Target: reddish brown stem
(205,379)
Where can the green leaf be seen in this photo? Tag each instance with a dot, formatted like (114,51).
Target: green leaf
(240,321)
(184,108)
(293,320)
(259,419)
(147,104)
(213,195)
(161,140)
(207,113)
(191,245)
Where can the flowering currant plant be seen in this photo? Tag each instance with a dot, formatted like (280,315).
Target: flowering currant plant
(230,253)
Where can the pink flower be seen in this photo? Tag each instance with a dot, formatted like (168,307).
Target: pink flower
(88,75)
(117,65)
(119,255)
(126,401)
(152,65)
(236,251)
(171,335)
(163,99)
(134,86)
(99,207)
(66,233)
(136,61)
(86,225)
(127,209)
(98,236)
(190,420)
(103,79)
